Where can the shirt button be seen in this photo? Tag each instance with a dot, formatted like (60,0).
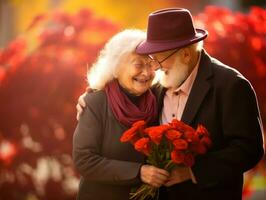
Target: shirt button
(173,115)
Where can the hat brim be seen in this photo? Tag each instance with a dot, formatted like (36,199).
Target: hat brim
(150,47)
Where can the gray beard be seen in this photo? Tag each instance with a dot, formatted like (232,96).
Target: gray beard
(174,77)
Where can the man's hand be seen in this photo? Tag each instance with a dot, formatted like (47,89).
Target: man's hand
(153,176)
(80,105)
(178,175)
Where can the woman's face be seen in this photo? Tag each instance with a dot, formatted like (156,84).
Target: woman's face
(135,73)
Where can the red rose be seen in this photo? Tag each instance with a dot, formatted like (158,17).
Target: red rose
(156,133)
(173,134)
(181,126)
(198,148)
(180,144)
(177,157)
(130,135)
(189,160)
(204,136)
(143,146)
(139,124)
(176,124)
(191,136)
(202,131)
(206,141)
(155,136)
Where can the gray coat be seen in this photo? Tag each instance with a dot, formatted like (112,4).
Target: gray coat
(108,167)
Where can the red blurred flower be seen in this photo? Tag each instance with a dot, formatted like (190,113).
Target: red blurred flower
(204,136)
(180,126)
(201,131)
(13,54)
(156,133)
(29,69)
(191,136)
(206,141)
(130,135)
(36,20)
(177,157)
(143,145)
(133,134)
(2,73)
(140,125)
(198,148)
(7,151)
(189,160)
(180,144)
(173,134)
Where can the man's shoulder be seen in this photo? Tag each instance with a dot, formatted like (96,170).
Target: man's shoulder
(225,72)
(226,77)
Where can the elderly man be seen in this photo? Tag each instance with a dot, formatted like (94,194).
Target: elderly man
(199,89)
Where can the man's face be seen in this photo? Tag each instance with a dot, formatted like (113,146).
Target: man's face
(174,71)
(165,58)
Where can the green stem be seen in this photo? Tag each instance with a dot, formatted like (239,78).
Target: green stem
(168,164)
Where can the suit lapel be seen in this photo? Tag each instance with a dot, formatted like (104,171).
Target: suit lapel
(199,89)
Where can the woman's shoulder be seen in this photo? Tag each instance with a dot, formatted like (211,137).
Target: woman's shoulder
(95,99)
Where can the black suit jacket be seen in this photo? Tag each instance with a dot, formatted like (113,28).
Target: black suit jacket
(225,103)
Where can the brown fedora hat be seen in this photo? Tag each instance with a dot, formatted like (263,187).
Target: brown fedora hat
(168,29)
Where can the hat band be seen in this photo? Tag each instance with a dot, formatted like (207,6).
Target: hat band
(171,40)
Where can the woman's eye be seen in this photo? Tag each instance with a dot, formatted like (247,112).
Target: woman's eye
(138,64)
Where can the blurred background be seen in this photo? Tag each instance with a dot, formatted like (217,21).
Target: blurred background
(46,47)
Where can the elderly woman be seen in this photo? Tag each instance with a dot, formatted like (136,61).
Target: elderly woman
(109,168)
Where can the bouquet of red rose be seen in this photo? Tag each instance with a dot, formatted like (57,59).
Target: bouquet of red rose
(166,146)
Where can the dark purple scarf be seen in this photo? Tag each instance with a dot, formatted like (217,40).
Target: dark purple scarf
(125,111)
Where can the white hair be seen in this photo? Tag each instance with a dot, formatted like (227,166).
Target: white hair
(105,68)
(198,46)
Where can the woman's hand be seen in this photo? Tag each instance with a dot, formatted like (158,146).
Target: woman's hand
(153,176)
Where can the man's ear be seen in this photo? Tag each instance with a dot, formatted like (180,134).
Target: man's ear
(185,55)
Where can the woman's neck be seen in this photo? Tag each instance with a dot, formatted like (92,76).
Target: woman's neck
(133,98)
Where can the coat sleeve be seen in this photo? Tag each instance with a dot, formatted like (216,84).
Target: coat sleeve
(86,150)
(242,142)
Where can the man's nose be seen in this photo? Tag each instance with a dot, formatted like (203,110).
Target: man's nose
(157,67)
(163,68)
